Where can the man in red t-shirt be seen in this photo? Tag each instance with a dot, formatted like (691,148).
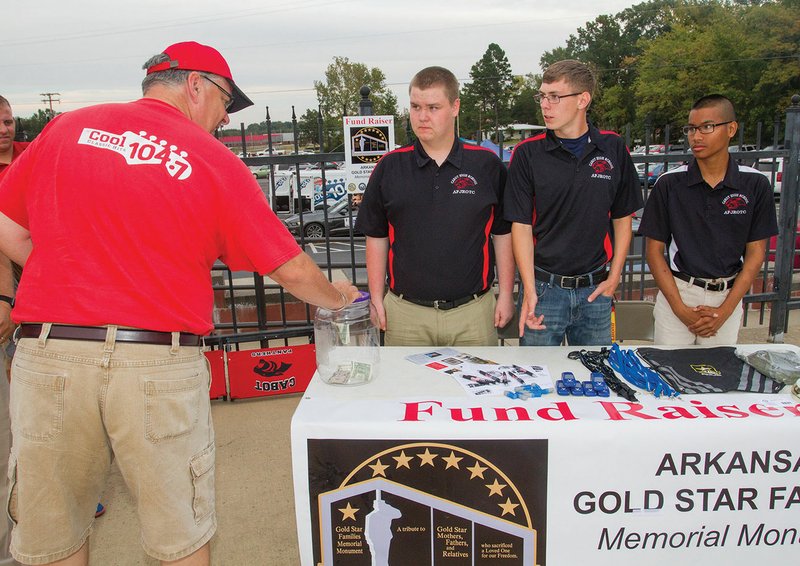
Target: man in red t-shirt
(118,212)
(9,150)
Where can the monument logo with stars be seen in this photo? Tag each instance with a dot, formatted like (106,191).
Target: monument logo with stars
(384,503)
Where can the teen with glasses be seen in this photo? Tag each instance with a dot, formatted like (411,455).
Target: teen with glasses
(714,217)
(570,195)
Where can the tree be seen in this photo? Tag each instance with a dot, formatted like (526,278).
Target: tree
(485,100)
(745,52)
(611,46)
(338,95)
(308,126)
(524,109)
(34,125)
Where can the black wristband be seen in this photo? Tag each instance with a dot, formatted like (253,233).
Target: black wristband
(7,299)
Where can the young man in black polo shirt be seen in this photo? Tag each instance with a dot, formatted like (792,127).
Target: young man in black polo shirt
(711,213)
(432,214)
(570,196)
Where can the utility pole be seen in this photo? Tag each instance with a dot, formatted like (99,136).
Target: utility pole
(49,97)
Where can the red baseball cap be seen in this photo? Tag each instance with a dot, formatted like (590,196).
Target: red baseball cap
(193,56)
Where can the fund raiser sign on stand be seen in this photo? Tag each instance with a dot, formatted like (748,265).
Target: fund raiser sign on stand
(265,372)
(711,480)
(367,139)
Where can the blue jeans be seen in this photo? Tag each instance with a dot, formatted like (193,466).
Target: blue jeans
(568,313)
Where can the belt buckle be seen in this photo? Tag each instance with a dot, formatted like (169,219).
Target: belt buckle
(574,284)
(436,304)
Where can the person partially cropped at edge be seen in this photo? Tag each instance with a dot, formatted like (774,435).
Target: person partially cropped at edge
(432,215)
(118,213)
(714,218)
(570,197)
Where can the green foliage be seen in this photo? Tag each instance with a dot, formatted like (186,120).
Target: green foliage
(486,101)
(654,59)
(34,125)
(308,126)
(611,46)
(339,96)
(745,52)
(524,109)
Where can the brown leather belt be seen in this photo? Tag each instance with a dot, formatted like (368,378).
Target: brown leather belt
(98,334)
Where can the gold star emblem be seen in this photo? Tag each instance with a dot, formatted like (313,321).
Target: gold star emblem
(508,507)
(495,488)
(349,512)
(378,469)
(427,457)
(402,460)
(452,461)
(477,471)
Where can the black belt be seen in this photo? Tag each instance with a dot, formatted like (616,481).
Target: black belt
(99,333)
(572,281)
(443,305)
(705,284)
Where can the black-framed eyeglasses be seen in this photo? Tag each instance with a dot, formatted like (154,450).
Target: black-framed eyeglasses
(229,100)
(703,128)
(552,98)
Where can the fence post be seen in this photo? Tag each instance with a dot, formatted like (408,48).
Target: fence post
(244,139)
(365,104)
(787,225)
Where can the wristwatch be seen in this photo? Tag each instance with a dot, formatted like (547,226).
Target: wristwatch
(7,299)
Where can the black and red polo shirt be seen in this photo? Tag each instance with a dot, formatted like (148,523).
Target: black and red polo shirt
(438,219)
(707,229)
(570,201)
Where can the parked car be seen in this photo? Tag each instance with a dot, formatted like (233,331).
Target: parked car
(260,172)
(314,225)
(641,150)
(773,169)
(773,244)
(654,171)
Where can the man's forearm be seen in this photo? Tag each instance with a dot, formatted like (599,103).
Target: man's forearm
(6,277)
(754,255)
(376,254)
(622,242)
(662,273)
(522,245)
(303,279)
(504,259)
(15,241)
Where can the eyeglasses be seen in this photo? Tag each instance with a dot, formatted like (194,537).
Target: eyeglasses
(229,101)
(703,128)
(552,98)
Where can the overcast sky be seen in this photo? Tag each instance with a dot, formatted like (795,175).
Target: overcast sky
(91,51)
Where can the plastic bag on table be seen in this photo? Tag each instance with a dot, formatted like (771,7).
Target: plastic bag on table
(780,365)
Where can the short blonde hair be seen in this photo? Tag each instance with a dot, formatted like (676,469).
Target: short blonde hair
(436,76)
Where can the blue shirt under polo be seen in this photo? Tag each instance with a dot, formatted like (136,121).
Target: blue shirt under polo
(569,200)
(438,219)
(706,229)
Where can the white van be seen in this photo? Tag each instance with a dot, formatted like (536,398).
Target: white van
(772,168)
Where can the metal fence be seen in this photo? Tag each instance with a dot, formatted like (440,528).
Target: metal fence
(249,308)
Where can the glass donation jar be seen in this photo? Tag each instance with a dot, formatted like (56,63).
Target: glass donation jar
(348,343)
